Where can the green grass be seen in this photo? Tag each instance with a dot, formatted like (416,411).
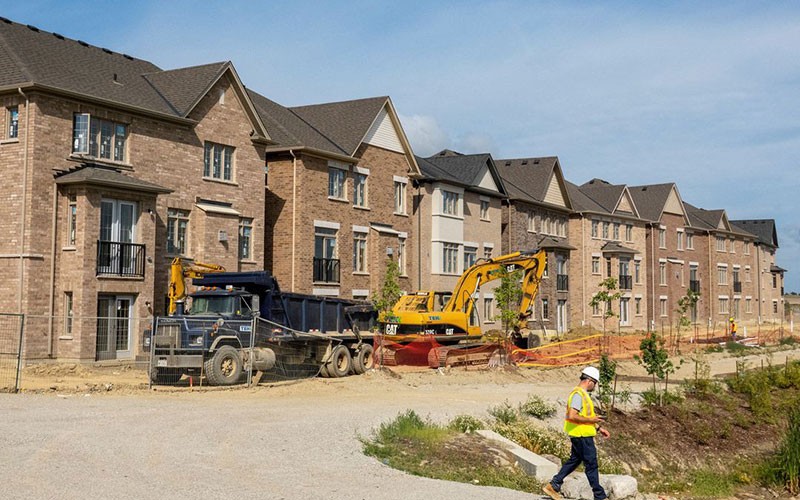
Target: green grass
(711,484)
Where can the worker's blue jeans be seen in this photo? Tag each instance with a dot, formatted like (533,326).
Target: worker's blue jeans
(583,450)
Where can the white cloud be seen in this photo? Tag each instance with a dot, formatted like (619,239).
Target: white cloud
(425,134)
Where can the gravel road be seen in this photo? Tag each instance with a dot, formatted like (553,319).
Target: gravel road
(287,441)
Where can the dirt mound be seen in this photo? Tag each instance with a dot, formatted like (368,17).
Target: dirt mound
(57,370)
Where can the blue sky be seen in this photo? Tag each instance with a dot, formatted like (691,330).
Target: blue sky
(705,94)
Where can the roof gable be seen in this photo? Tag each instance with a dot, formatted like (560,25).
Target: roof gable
(763,229)
(344,123)
(554,194)
(653,200)
(535,180)
(383,133)
(486,180)
(673,204)
(476,171)
(625,203)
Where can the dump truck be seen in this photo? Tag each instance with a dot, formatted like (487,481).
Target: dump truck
(236,322)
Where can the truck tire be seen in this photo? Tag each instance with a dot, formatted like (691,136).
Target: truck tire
(534,340)
(323,370)
(165,376)
(340,362)
(224,367)
(363,360)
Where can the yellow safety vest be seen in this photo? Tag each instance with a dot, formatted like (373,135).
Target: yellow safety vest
(575,429)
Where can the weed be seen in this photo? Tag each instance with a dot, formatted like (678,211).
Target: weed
(504,413)
(783,468)
(708,483)
(537,439)
(466,423)
(788,341)
(537,407)
(736,349)
(654,397)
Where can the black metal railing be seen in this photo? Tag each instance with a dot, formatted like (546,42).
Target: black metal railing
(737,287)
(120,259)
(562,282)
(625,282)
(326,270)
(694,285)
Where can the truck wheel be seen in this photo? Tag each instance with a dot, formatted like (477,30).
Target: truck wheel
(163,376)
(534,340)
(225,367)
(340,363)
(323,370)
(364,359)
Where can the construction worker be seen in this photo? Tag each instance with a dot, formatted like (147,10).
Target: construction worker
(733,329)
(581,424)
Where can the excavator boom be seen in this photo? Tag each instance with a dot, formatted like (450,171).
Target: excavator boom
(180,270)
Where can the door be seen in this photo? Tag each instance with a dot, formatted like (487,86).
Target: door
(114,326)
(561,316)
(624,311)
(117,230)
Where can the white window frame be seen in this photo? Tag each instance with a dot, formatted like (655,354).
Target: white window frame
(177,231)
(451,203)
(662,302)
(470,250)
(401,254)
(484,209)
(72,220)
(360,189)
(450,253)
(689,241)
(723,306)
(246,238)
(722,274)
(595,264)
(400,195)
(662,237)
(629,232)
(69,314)
(337,183)
(12,114)
(595,228)
(662,273)
(488,310)
(531,221)
(89,137)
(360,252)
(680,239)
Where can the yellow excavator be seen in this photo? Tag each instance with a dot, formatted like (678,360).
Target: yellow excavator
(181,270)
(427,313)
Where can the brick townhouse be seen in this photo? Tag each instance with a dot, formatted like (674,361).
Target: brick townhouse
(610,235)
(113,166)
(536,216)
(458,210)
(766,276)
(338,196)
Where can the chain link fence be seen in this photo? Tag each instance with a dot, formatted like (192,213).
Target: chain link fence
(11,338)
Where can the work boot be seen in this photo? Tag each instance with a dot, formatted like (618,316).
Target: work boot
(551,492)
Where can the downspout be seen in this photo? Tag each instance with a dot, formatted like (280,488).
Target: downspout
(419,236)
(653,275)
(294,213)
(24,200)
(583,270)
(52,273)
(710,269)
(758,265)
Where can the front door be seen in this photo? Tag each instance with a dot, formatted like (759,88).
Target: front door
(561,316)
(114,324)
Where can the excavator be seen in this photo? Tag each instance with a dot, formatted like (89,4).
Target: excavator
(426,312)
(182,269)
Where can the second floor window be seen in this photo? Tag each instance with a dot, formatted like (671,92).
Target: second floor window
(616,231)
(605,230)
(531,221)
(400,197)
(662,238)
(218,161)
(721,244)
(99,138)
(450,258)
(689,241)
(359,252)
(637,269)
(722,275)
(336,178)
(401,256)
(450,203)
(595,265)
(680,240)
(470,256)
(360,190)
(68,314)
(245,239)
(662,273)
(13,122)
(72,221)
(595,225)
(484,210)
(177,224)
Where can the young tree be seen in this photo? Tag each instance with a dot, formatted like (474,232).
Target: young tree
(685,304)
(389,292)
(655,359)
(508,296)
(604,298)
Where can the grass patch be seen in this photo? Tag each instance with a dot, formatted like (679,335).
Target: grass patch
(709,483)
(423,448)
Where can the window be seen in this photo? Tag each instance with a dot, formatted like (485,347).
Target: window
(487,252)
(98,138)
(218,161)
(13,122)
(637,268)
(747,248)
(735,274)
(637,304)
(733,245)
(245,239)
(326,261)
(470,256)
(531,221)
(735,311)
(605,230)
(748,305)
(484,209)
(546,225)
(595,225)
(360,252)
(662,273)
(595,265)
(360,190)
(450,258)
(608,267)
(723,305)
(662,303)
(662,238)
(562,230)
(596,309)
(628,232)
(774,281)
(616,231)
(680,240)
(399,197)
(177,224)
(624,311)
(545,309)
(401,256)
(72,220)
(747,273)
(68,314)
(336,178)
(689,241)
(324,242)
(720,244)
(488,310)
(722,275)
(775,307)
(450,202)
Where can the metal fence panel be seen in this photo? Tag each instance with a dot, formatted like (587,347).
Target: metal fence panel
(11,336)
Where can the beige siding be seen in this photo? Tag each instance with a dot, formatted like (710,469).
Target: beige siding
(383,133)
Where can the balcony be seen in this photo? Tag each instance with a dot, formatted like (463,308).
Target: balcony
(625,282)
(737,287)
(694,285)
(562,282)
(120,259)
(326,270)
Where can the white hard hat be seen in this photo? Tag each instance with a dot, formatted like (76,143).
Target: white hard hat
(591,372)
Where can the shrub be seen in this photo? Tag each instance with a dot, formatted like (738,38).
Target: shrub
(784,468)
(504,413)
(537,407)
(466,423)
(540,440)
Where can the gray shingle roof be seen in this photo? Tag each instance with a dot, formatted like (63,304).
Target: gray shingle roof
(526,179)
(763,229)
(581,202)
(650,200)
(614,247)
(182,87)
(461,169)
(603,193)
(103,176)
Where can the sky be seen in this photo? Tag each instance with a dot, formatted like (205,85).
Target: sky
(703,94)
